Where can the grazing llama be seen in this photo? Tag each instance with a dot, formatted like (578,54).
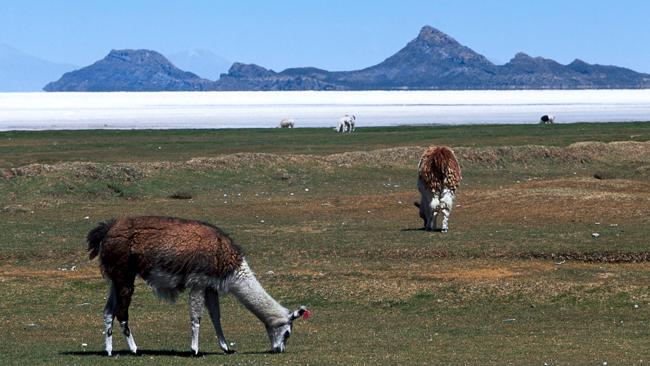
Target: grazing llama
(547,119)
(438,178)
(346,123)
(173,254)
(287,123)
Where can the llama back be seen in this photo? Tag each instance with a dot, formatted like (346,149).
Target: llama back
(167,252)
(438,169)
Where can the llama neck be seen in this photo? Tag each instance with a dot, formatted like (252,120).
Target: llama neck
(252,295)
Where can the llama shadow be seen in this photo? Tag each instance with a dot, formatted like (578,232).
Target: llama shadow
(413,229)
(422,229)
(156,352)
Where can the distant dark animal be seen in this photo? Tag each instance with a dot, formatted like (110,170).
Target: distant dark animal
(172,255)
(287,123)
(547,119)
(346,123)
(438,179)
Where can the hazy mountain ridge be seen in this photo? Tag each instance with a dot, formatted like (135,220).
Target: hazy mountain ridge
(204,63)
(433,60)
(20,71)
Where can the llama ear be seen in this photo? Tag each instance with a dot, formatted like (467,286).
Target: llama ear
(302,312)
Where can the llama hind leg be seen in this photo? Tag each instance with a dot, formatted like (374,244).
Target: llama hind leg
(197,301)
(124,292)
(109,315)
(432,214)
(212,300)
(447,202)
(445,219)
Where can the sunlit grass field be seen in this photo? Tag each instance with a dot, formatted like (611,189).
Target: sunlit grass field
(327,221)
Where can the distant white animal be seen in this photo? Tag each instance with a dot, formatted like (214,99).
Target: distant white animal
(438,179)
(547,119)
(287,123)
(346,123)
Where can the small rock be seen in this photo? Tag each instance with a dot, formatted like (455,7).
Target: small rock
(86,217)
(595,235)
(262,221)
(84,345)
(290,194)
(306,189)
(636,306)
(270,273)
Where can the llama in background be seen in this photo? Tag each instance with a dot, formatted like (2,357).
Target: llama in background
(287,123)
(173,254)
(346,123)
(438,178)
(547,119)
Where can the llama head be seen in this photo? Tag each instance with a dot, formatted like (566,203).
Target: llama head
(279,335)
(422,216)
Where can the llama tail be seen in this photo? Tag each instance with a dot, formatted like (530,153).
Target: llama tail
(96,236)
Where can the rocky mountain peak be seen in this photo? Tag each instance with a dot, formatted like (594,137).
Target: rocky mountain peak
(137,56)
(431,35)
(241,70)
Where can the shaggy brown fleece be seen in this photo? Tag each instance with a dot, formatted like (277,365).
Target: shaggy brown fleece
(438,168)
(138,245)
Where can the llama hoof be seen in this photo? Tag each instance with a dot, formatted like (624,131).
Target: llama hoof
(444,230)
(229,351)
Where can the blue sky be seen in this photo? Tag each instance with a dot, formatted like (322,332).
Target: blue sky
(334,35)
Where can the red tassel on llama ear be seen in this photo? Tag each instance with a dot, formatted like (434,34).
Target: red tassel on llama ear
(306,314)
(302,312)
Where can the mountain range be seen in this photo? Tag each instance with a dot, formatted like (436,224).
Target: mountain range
(431,61)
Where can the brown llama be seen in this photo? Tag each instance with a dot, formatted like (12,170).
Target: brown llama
(438,179)
(171,255)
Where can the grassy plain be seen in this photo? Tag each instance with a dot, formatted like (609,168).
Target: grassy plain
(327,221)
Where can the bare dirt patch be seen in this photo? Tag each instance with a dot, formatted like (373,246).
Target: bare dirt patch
(561,200)
(64,272)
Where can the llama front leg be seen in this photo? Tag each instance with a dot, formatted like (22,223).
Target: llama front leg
(109,315)
(197,301)
(212,300)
